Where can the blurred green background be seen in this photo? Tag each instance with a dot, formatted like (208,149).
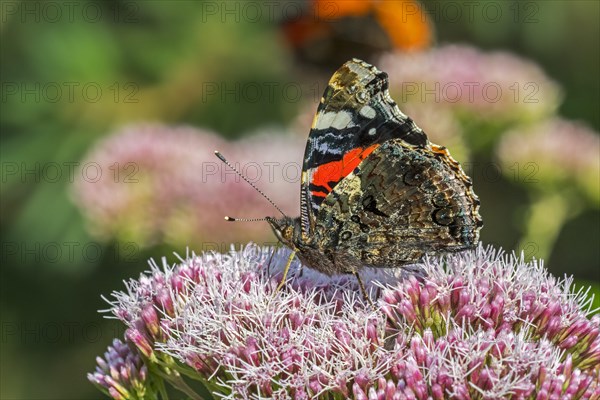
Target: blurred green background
(73,72)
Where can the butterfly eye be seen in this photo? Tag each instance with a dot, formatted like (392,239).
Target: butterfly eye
(362,96)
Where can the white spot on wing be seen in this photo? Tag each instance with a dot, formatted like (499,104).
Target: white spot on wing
(324,148)
(334,119)
(368,112)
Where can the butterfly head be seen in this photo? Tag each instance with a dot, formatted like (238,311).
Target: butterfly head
(286,229)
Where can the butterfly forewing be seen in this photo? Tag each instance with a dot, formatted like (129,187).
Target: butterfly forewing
(354,117)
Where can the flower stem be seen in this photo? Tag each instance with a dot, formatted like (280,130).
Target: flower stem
(180,384)
(545,219)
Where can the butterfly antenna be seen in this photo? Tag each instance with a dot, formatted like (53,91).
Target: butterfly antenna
(220,156)
(231,219)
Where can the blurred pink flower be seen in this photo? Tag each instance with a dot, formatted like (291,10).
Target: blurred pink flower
(480,325)
(494,85)
(164,184)
(557,153)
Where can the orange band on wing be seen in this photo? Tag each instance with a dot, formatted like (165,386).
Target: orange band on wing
(335,171)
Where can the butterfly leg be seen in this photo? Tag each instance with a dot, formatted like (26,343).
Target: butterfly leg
(368,299)
(271,258)
(286,270)
(362,289)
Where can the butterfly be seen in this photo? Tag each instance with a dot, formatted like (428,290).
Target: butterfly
(375,192)
(327,32)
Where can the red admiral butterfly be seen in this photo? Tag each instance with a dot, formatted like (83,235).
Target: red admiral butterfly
(375,191)
(328,32)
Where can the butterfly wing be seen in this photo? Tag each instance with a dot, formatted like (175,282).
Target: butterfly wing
(355,116)
(400,202)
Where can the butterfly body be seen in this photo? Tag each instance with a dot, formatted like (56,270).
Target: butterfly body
(375,192)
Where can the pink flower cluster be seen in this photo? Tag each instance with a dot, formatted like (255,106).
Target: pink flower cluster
(160,184)
(481,324)
(121,373)
(496,85)
(558,151)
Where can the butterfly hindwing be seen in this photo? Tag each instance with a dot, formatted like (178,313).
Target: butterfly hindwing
(401,202)
(355,116)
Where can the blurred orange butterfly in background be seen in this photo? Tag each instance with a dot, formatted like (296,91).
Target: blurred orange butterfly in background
(328,32)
